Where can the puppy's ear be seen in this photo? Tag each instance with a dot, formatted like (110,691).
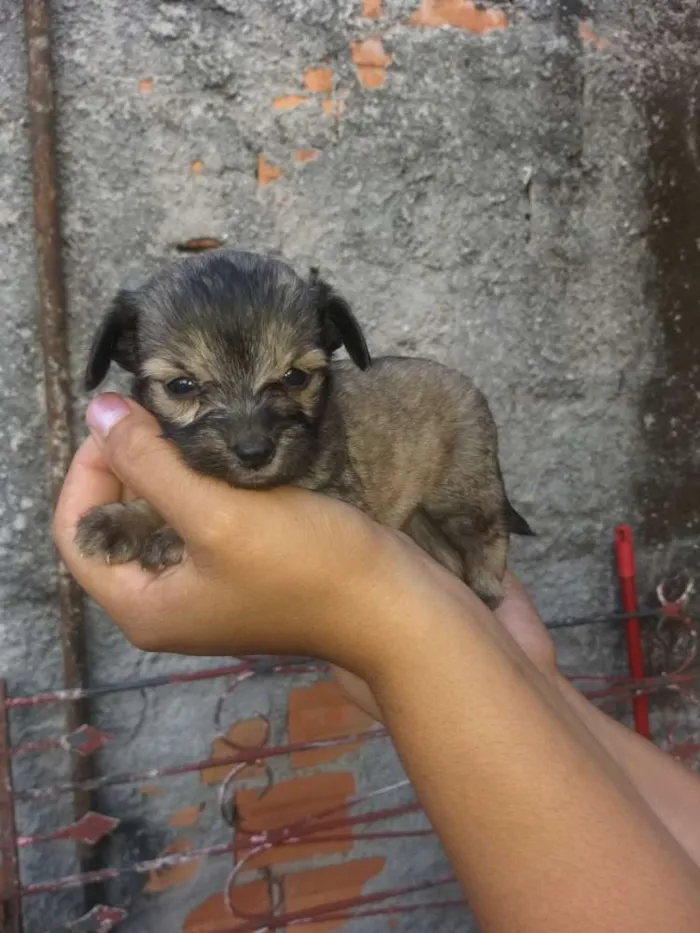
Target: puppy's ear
(339,326)
(115,340)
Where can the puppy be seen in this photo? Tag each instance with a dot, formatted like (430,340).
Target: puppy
(232,351)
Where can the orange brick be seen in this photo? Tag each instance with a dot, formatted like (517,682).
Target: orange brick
(187,816)
(287,803)
(370,52)
(370,60)
(290,102)
(267,172)
(588,37)
(172,876)
(306,890)
(213,915)
(371,78)
(306,155)
(146,85)
(321,712)
(251,733)
(462,14)
(319,79)
(332,108)
(197,167)
(372,9)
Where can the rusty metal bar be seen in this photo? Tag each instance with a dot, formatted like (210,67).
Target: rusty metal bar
(54,345)
(10,899)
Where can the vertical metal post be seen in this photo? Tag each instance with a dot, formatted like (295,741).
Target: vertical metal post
(54,345)
(627,576)
(10,901)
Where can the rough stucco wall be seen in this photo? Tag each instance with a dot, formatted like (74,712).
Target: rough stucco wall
(502,203)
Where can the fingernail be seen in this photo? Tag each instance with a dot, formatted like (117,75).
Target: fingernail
(104,412)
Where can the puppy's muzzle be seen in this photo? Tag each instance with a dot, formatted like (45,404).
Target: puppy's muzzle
(254,450)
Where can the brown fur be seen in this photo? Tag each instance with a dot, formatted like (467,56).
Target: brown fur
(409,441)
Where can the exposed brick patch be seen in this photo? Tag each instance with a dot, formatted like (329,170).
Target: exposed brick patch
(172,876)
(333,108)
(213,915)
(290,102)
(321,712)
(267,172)
(251,733)
(289,802)
(372,9)
(308,889)
(186,817)
(306,155)
(462,14)
(146,85)
(319,80)
(591,38)
(371,62)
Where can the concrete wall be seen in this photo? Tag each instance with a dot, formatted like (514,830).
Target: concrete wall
(522,203)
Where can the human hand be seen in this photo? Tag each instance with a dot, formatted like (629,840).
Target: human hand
(517,615)
(283,571)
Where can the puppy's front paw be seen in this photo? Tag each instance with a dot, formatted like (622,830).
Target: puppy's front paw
(163,549)
(113,532)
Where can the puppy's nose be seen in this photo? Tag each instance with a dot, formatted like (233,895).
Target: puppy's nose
(254,450)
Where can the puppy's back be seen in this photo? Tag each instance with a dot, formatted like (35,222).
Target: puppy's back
(415,429)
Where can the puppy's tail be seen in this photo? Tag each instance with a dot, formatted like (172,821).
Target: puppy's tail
(516,523)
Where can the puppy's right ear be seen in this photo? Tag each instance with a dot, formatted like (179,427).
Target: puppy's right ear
(115,341)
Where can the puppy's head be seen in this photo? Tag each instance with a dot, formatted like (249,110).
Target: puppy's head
(230,351)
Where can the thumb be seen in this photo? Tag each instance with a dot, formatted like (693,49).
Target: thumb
(131,442)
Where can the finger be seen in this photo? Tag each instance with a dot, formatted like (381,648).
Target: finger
(89,483)
(146,463)
(516,604)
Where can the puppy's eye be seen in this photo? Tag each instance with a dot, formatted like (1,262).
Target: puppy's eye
(183,387)
(296,379)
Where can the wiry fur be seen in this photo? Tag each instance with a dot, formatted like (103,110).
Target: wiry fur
(409,441)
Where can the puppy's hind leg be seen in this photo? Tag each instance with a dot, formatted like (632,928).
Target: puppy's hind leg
(484,549)
(429,535)
(474,551)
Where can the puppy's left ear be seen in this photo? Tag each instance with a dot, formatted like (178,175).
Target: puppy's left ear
(115,340)
(339,326)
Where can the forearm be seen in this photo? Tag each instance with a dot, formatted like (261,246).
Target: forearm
(669,788)
(543,828)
